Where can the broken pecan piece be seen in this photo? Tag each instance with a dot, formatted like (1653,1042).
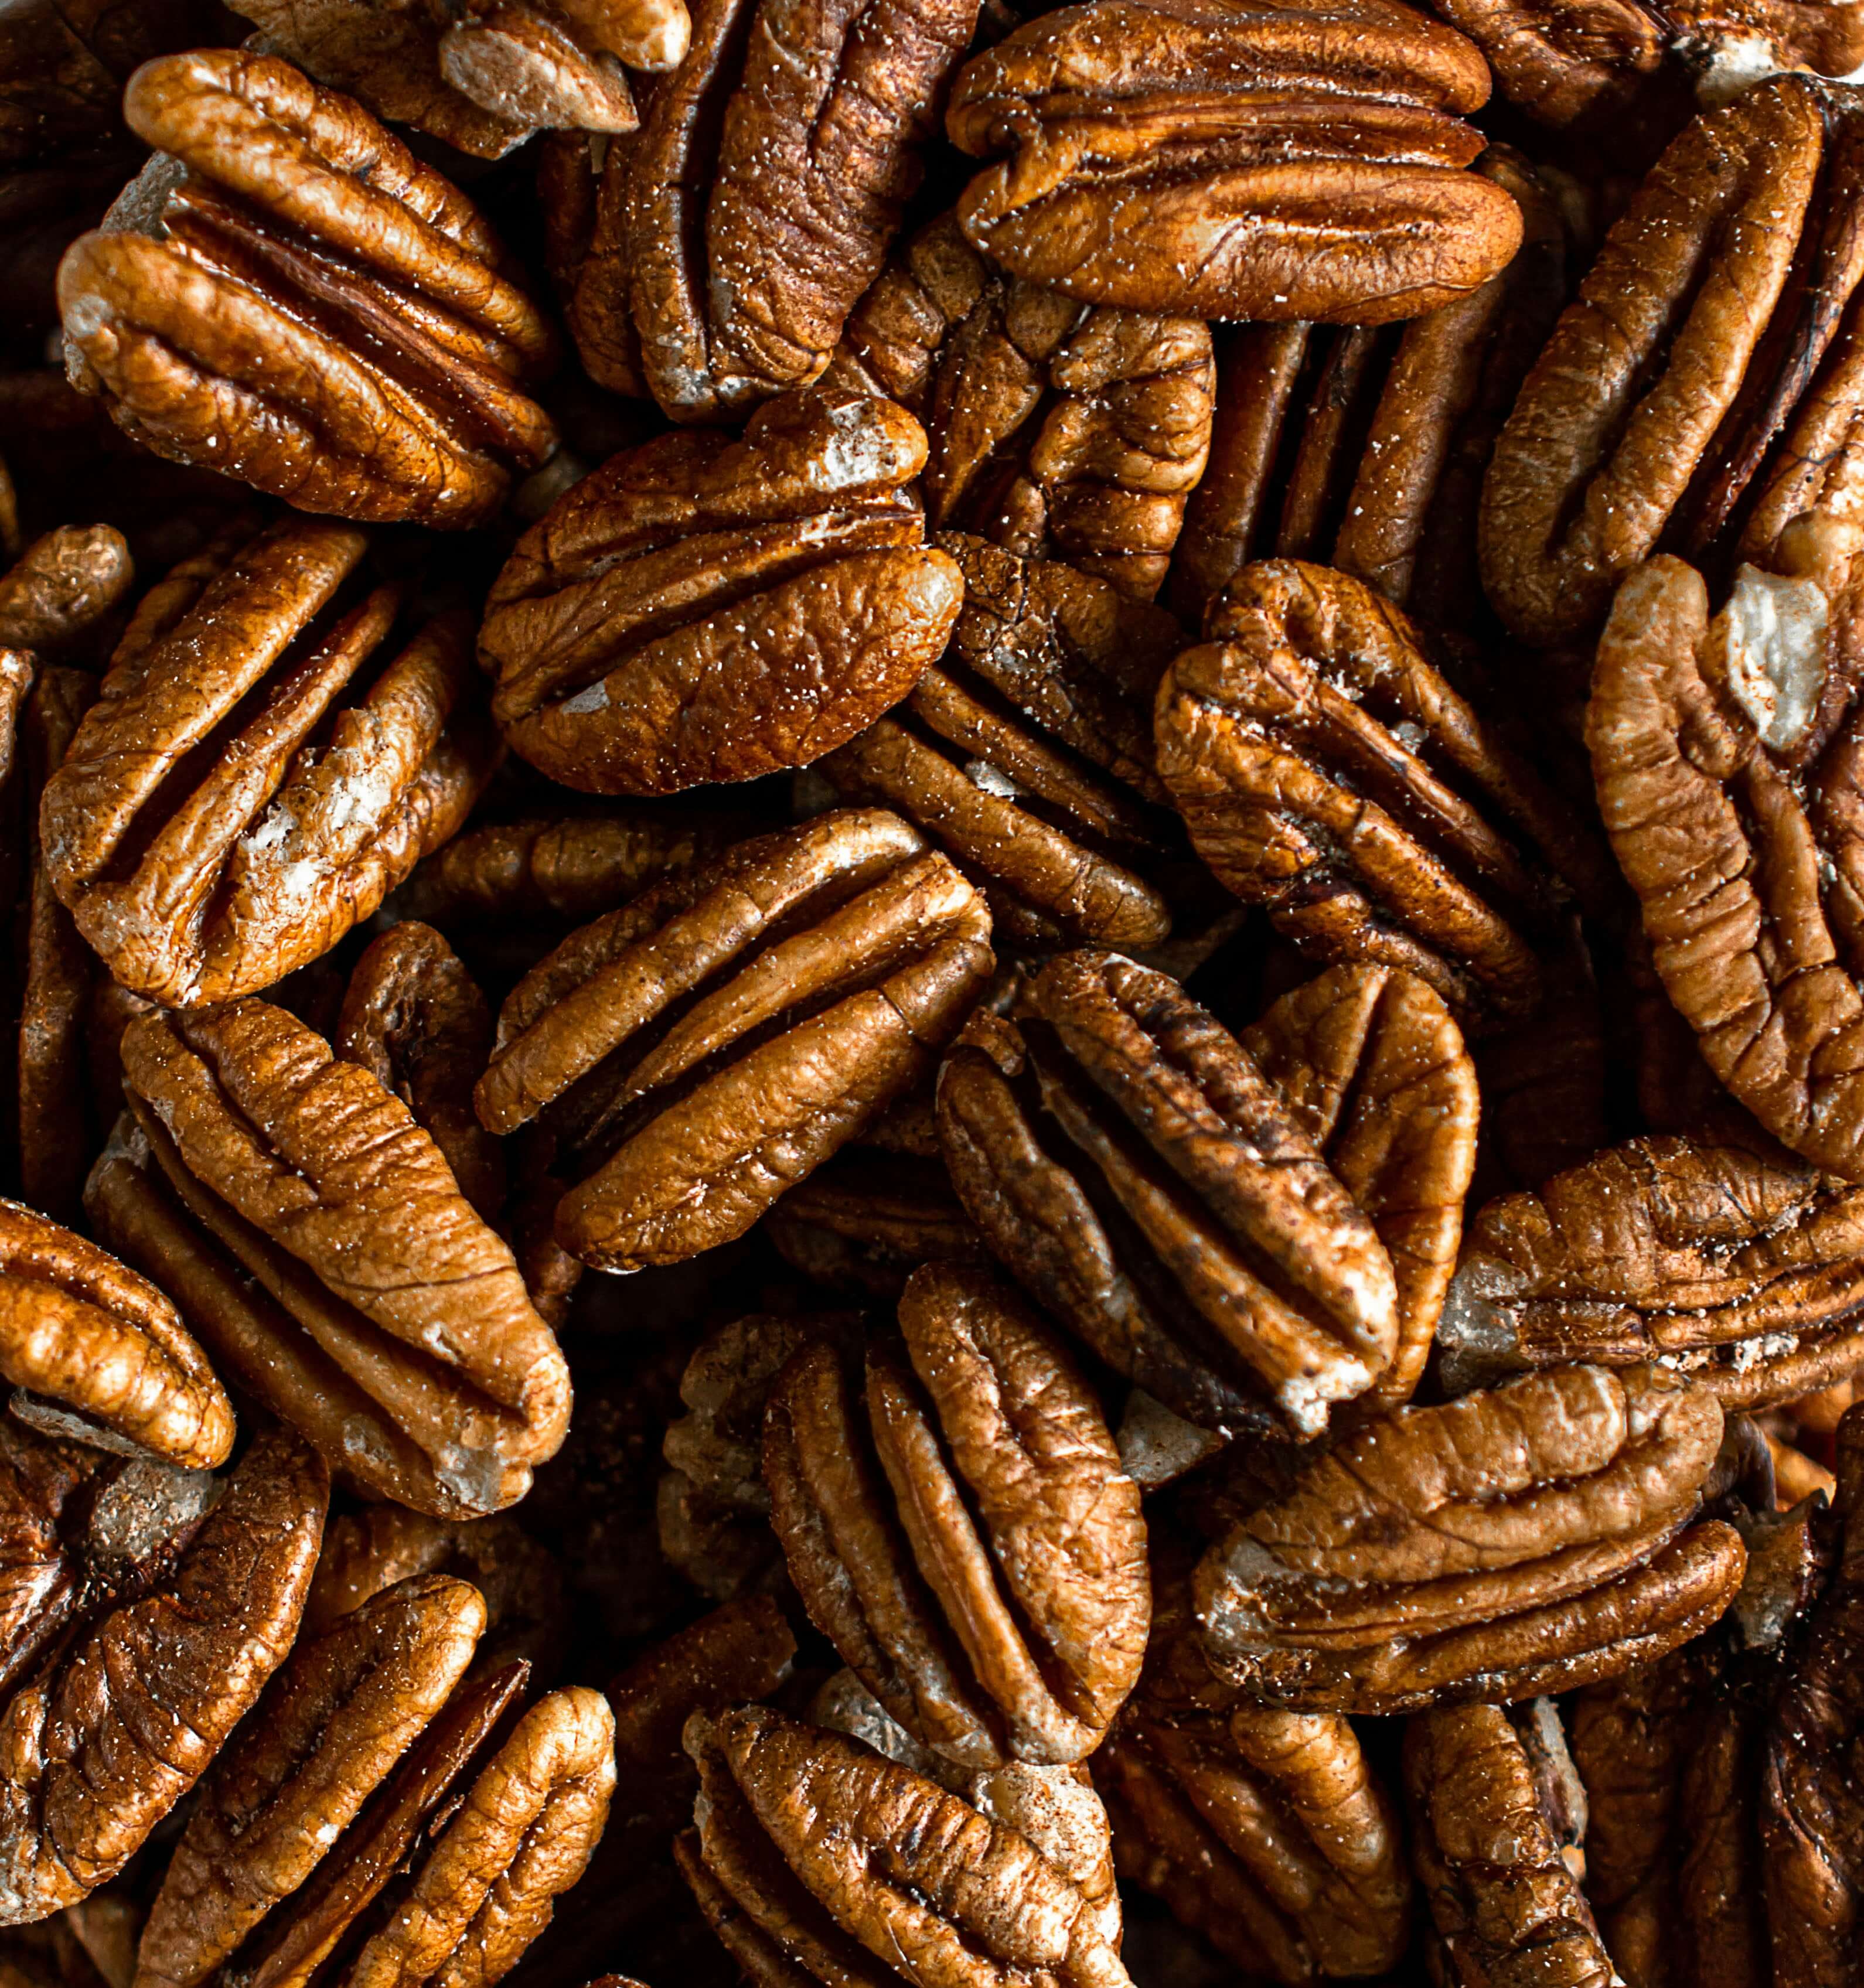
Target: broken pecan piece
(287,296)
(1253,1231)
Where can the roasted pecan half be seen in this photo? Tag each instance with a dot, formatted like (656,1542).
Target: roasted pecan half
(1728,41)
(704,1048)
(704,608)
(1195,158)
(287,296)
(1565,60)
(60,586)
(1253,1231)
(196,1587)
(1268,1834)
(1328,770)
(261,767)
(325,1252)
(1528,1538)
(1056,429)
(969,1544)
(864,1223)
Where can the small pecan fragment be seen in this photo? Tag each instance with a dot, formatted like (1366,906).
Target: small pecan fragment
(1228,163)
(704,1048)
(254,777)
(704,608)
(975,1552)
(287,297)
(1268,1834)
(1513,1542)
(1251,1231)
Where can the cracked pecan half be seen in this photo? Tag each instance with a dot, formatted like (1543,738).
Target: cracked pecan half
(706,608)
(325,1252)
(1528,1538)
(1254,1231)
(1227,162)
(966,1538)
(698,1051)
(261,765)
(287,296)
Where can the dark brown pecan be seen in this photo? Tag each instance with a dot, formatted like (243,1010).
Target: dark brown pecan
(1056,429)
(1565,60)
(1328,770)
(1191,157)
(704,608)
(969,1544)
(287,296)
(863,1223)
(1700,401)
(705,1047)
(255,774)
(62,585)
(911,1882)
(1268,1834)
(1511,1543)
(1251,1231)
(1496,1855)
(97,1747)
(323,1249)
(1730,41)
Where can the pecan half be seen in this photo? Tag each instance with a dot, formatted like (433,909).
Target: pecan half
(975,1552)
(298,1201)
(863,1223)
(704,1048)
(1565,60)
(287,297)
(1528,1538)
(704,608)
(1251,1231)
(62,585)
(255,775)
(1192,158)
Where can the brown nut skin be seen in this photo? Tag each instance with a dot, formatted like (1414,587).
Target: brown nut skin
(705,609)
(1253,1231)
(63,584)
(1563,60)
(1299,161)
(334,1201)
(300,304)
(100,1748)
(236,799)
(686,1130)
(996,1604)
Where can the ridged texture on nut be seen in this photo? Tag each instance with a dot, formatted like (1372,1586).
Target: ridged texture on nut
(294,301)
(62,584)
(1561,61)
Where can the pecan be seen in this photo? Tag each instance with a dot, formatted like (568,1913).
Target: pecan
(1565,60)
(1328,770)
(996,1604)
(236,800)
(1251,1231)
(62,585)
(704,608)
(704,1048)
(1729,39)
(1055,429)
(1268,1834)
(863,1223)
(1513,1542)
(287,297)
(99,1745)
(908,1882)
(1191,158)
(1698,399)
(323,1248)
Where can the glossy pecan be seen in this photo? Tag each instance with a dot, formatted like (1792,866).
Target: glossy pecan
(1697,400)
(1055,429)
(1328,770)
(1268,1832)
(969,1542)
(62,585)
(98,1746)
(287,297)
(1253,1231)
(1511,1543)
(326,1253)
(704,1048)
(1730,41)
(704,608)
(255,775)
(1566,60)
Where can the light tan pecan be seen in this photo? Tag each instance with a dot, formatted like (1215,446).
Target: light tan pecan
(287,297)
(704,1048)
(1253,1230)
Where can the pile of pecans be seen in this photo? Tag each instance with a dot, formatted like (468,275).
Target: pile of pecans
(1125,742)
